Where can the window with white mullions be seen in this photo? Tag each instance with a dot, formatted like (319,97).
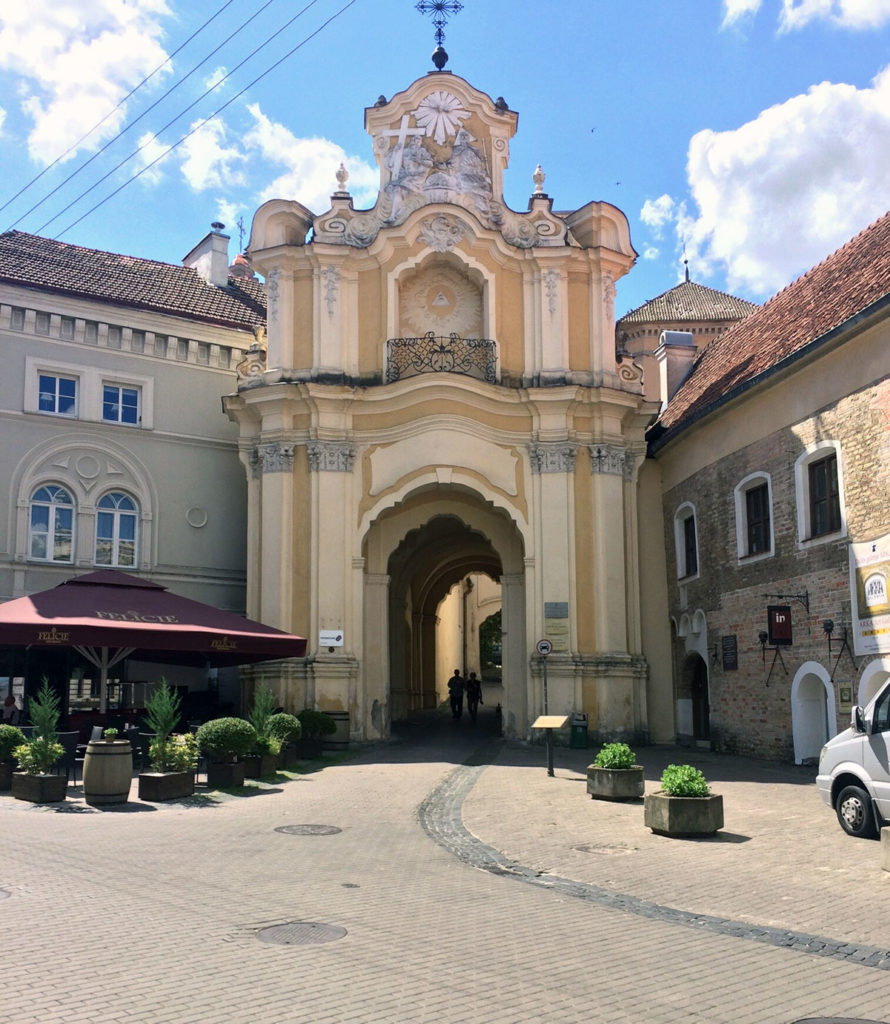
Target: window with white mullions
(51,529)
(57,395)
(117,519)
(825,506)
(120,404)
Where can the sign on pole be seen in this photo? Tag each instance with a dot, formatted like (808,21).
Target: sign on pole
(543,647)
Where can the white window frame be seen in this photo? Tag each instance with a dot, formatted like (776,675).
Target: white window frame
(117,514)
(51,528)
(750,483)
(58,376)
(684,512)
(815,453)
(91,381)
(121,388)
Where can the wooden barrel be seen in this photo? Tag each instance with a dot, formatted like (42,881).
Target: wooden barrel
(107,772)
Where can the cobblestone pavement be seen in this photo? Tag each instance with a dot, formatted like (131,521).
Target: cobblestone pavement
(148,914)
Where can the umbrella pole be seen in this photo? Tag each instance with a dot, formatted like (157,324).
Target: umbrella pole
(103,660)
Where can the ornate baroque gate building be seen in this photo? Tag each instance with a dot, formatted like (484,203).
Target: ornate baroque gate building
(440,396)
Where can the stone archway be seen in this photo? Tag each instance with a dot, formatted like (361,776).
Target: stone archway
(415,553)
(812,711)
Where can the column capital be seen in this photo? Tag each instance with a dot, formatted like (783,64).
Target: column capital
(552,457)
(330,456)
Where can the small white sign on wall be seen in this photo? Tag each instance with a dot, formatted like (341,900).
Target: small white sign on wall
(330,638)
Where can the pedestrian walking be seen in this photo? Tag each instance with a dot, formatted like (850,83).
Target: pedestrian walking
(474,695)
(456,686)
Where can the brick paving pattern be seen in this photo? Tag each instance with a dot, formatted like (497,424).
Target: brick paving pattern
(149,914)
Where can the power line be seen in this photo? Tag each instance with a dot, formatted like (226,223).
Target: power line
(99,124)
(181,114)
(136,120)
(201,124)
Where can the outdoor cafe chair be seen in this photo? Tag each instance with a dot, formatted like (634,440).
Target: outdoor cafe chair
(69,759)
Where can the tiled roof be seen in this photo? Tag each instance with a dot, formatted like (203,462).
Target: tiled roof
(691,302)
(36,262)
(844,284)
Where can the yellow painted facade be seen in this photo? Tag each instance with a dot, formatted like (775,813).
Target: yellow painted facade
(439,400)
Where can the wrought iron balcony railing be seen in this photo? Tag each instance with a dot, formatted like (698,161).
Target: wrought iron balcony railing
(408,357)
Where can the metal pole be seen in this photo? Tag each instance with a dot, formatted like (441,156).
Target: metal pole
(549,752)
(545,689)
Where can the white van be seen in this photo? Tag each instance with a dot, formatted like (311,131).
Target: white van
(854,769)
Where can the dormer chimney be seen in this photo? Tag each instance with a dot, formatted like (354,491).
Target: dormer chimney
(675,355)
(210,257)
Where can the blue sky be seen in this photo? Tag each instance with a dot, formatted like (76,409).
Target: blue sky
(756,133)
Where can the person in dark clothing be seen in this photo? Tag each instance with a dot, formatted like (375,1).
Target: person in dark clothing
(456,693)
(474,695)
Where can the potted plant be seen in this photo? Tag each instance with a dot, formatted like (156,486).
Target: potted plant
(110,735)
(263,758)
(172,758)
(315,725)
(223,741)
(35,780)
(685,805)
(11,737)
(615,775)
(287,730)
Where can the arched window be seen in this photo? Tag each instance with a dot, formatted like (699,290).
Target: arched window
(51,526)
(117,520)
(686,541)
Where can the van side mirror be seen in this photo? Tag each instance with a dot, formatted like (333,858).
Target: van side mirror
(857,719)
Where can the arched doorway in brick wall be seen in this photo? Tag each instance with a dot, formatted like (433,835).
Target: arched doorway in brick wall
(693,700)
(812,711)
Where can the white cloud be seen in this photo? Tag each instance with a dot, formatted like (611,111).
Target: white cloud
(207,162)
(781,192)
(853,14)
(658,212)
(651,253)
(311,165)
(77,60)
(2,119)
(151,149)
(736,9)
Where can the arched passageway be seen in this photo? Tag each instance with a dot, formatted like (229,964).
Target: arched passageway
(430,554)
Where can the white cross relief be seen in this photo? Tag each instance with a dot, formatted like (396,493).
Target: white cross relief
(401,134)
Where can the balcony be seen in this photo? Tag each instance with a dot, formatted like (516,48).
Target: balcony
(471,357)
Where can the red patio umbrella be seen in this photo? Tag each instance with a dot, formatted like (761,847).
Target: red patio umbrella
(109,615)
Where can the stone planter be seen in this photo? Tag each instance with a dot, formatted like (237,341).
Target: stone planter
(39,789)
(258,765)
(6,770)
(683,815)
(615,783)
(158,786)
(225,774)
(107,772)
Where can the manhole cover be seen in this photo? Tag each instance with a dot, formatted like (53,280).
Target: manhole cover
(604,849)
(309,830)
(301,933)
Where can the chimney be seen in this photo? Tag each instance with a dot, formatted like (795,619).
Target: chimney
(675,355)
(210,257)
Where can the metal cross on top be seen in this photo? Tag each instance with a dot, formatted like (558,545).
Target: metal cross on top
(439,9)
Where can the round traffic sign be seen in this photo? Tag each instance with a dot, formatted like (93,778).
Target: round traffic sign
(543,647)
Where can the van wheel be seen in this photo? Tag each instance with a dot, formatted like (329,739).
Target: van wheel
(854,813)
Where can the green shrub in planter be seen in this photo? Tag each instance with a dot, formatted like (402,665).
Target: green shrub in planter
(226,738)
(162,711)
(264,704)
(11,737)
(284,727)
(316,723)
(37,755)
(684,780)
(176,753)
(615,755)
